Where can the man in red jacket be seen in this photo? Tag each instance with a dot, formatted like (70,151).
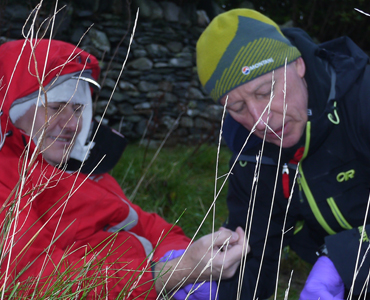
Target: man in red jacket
(67,228)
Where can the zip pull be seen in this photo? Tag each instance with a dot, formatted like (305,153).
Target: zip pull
(285,169)
(285,181)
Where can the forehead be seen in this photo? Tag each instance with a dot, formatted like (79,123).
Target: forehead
(262,82)
(250,87)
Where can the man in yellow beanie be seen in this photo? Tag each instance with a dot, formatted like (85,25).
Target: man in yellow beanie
(300,173)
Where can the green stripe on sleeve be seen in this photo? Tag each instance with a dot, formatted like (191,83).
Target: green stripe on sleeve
(311,200)
(337,214)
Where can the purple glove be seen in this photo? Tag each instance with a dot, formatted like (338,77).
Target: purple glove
(197,291)
(324,282)
(192,291)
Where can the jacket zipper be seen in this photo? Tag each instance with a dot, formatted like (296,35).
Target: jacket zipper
(337,214)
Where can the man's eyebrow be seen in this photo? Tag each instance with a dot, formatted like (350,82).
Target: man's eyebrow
(230,105)
(235,102)
(57,103)
(267,82)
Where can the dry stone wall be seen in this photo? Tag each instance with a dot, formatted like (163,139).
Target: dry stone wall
(158,91)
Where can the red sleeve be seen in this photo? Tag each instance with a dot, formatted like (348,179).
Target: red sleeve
(106,264)
(103,263)
(162,235)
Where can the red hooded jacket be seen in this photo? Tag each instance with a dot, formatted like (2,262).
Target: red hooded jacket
(55,222)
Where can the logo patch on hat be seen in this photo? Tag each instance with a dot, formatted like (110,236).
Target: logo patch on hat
(245,70)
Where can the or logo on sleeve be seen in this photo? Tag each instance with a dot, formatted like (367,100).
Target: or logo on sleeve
(344,176)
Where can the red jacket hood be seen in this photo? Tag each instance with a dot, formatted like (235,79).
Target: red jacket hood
(53,58)
(24,62)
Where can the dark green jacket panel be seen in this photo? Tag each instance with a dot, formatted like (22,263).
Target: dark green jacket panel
(254,216)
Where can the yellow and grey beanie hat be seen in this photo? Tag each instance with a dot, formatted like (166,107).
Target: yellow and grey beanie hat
(238,46)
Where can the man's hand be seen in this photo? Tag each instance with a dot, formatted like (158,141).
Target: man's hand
(218,254)
(324,282)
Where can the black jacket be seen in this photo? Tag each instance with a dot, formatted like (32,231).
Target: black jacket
(330,196)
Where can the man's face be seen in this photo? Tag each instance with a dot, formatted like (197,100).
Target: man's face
(64,125)
(248,102)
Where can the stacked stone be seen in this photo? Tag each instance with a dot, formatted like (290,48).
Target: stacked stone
(158,89)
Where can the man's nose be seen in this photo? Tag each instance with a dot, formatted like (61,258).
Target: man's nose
(259,112)
(69,119)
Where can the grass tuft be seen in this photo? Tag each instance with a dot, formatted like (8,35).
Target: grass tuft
(180,181)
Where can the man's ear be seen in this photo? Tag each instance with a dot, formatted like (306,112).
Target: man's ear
(300,66)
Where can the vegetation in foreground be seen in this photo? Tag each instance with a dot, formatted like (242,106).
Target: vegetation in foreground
(180,185)
(180,182)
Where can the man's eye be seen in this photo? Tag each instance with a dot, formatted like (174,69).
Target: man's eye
(55,107)
(263,95)
(238,108)
(78,108)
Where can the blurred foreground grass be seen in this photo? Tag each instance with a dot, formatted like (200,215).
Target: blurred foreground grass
(181,182)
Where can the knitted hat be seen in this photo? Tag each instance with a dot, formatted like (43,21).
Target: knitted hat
(238,46)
